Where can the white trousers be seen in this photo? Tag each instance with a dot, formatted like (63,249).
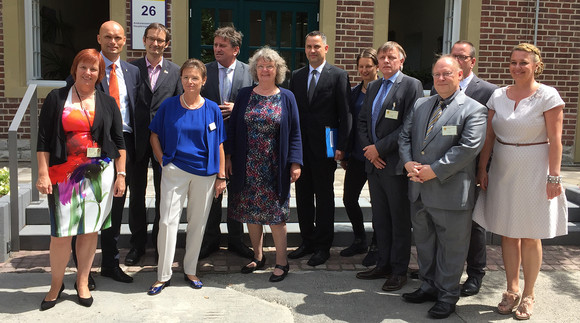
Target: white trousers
(176,186)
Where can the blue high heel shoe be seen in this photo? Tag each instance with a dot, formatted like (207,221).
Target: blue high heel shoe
(45,305)
(154,290)
(195,284)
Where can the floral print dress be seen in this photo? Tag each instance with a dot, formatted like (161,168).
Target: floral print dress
(258,201)
(82,186)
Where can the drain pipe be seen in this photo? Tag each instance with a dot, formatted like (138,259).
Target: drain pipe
(536,23)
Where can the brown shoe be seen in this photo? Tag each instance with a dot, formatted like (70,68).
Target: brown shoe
(375,273)
(395,282)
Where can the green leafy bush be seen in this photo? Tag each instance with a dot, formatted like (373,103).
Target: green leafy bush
(4,181)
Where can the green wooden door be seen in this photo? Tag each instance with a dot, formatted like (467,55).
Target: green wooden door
(279,24)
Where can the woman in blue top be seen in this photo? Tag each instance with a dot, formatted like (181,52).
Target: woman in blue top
(187,136)
(355,176)
(264,154)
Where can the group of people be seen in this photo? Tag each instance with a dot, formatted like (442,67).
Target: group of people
(204,125)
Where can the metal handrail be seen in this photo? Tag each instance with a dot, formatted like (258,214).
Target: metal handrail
(30,99)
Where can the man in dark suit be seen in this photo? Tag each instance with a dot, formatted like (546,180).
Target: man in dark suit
(121,82)
(386,104)
(225,76)
(438,145)
(322,91)
(480,91)
(160,79)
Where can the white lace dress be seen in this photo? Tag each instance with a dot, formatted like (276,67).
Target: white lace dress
(515,203)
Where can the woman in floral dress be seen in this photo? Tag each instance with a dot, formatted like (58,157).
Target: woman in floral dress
(263,156)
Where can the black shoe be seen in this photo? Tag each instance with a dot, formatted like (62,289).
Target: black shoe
(241,250)
(205,251)
(419,296)
(259,265)
(45,305)
(318,258)
(92,284)
(375,273)
(359,246)
(371,258)
(133,257)
(117,274)
(276,278)
(395,282)
(471,286)
(302,251)
(86,302)
(413,273)
(441,310)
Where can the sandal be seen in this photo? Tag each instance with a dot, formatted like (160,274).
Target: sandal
(259,265)
(524,311)
(509,302)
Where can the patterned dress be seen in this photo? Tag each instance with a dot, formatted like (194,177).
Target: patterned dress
(258,201)
(82,186)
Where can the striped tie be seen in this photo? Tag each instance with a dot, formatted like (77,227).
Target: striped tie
(436,115)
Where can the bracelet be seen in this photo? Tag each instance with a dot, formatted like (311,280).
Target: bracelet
(554,179)
(222,178)
(121,174)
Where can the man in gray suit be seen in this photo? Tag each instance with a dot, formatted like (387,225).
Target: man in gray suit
(160,79)
(387,102)
(438,145)
(225,76)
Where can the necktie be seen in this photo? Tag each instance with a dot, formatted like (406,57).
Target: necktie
(312,86)
(378,105)
(114,85)
(226,85)
(436,115)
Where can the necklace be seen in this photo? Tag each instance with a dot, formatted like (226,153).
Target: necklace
(193,106)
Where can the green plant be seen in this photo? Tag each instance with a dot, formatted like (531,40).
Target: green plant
(4,181)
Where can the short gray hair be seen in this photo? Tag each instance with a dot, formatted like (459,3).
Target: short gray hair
(268,54)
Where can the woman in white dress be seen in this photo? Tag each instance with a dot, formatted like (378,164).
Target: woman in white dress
(521,197)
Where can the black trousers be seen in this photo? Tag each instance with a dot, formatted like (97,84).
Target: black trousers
(476,256)
(110,236)
(391,220)
(137,207)
(316,220)
(212,235)
(355,178)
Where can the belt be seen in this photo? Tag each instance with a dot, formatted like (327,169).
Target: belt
(521,145)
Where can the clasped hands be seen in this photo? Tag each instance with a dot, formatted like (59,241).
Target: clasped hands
(419,173)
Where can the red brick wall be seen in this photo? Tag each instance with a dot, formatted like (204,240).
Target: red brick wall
(505,24)
(354,31)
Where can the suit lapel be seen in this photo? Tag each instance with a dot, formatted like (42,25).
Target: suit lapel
(144,72)
(472,86)
(322,78)
(237,79)
(424,119)
(388,99)
(448,113)
(162,76)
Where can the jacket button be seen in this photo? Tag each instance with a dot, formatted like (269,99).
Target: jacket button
(422,153)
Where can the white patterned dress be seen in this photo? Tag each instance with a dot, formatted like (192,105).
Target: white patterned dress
(515,203)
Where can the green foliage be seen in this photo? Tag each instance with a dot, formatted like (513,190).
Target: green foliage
(4,181)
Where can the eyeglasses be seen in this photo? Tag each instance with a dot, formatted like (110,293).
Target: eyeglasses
(445,75)
(158,40)
(267,67)
(461,57)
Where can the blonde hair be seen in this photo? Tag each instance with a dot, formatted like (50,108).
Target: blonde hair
(529,48)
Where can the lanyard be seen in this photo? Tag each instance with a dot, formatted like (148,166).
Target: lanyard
(85,113)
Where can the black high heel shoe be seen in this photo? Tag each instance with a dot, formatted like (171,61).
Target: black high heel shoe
(275,278)
(259,265)
(45,305)
(86,302)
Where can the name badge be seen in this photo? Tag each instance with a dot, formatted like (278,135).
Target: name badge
(449,130)
(391,114)
(212,126)
(93,152)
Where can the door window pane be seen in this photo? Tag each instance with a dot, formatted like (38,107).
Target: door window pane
(226,17)
(207,26)
(286,29)
(271,28)
(301,28)
(255,28)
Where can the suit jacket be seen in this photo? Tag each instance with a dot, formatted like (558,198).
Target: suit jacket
(106,129)
(329,108)
(477,89)
(242,78)
(132,81)
(148,101)
(401,97)
(452,157)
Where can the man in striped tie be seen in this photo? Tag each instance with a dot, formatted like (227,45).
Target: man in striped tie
(438,145)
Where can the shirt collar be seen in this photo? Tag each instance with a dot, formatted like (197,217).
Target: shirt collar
(449,99)
(108,62)
(318,69)
(230,67)
(149,65)
(393,78)
(465,81)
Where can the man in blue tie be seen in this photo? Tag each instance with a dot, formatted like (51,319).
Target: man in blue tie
(380,121)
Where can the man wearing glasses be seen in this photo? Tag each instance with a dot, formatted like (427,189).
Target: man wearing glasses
(480,91)
(159,81)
